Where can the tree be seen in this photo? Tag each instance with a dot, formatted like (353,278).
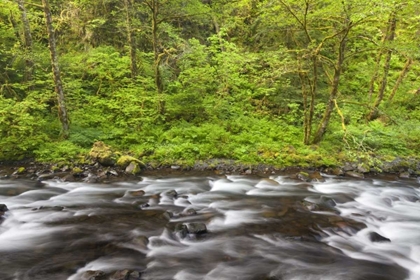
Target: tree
(62,111)
(27,42)
(130,38)
(389,38)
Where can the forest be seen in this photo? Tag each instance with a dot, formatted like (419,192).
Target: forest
(278,82)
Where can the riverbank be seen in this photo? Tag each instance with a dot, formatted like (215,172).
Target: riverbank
(95,172)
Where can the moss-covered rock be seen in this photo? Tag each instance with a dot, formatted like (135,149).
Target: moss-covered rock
(133,168)
(103,154)
(77,170)
(125,160)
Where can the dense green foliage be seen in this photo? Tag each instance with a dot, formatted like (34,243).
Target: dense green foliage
(249,80)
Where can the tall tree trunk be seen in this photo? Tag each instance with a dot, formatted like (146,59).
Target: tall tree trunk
(373,114)
(62,111)
(322,128)
(29,64)
(131,40)
(378,60)
(401,77)
(154,8)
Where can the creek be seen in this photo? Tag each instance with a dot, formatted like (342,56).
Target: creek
(211,227)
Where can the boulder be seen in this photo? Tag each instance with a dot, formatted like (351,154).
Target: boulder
(103,154)
(124,161)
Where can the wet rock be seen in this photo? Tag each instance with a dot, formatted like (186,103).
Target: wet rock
(196,228)
(363,168)
(39,184)
(133,168)
(188,212)
(348,167)
(145,205)
(93,275)
(355,174)
(303,176)
(324,203)
(328,202)
(124,161)
(175,167)
(181,231)
(54,208)
(316,177)
(19,170)
(136,193)
(171,193)
(91,178)
(125,274)
(141,241)
(404,175)
(168,215)
(134,275)
(376,237)
(3,209)
(70,178)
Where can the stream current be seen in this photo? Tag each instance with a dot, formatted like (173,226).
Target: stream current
(211,227)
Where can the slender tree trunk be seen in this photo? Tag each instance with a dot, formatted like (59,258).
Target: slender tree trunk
(322,128)
(62,111)
(401,77)
(154,7)
(374,112)
(131,40)
(29,64)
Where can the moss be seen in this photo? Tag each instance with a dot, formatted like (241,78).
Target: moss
(77,170)
(125,160)
(103,154)
(21,170)
(133,168)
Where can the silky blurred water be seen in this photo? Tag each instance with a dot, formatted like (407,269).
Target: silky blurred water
(257,228)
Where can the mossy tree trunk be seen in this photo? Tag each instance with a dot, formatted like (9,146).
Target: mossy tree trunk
(62,111)
(401,77)
(322,127)
(373,114)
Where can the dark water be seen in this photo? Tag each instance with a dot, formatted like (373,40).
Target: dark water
(257,228)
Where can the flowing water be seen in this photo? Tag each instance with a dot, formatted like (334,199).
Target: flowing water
(246,228)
